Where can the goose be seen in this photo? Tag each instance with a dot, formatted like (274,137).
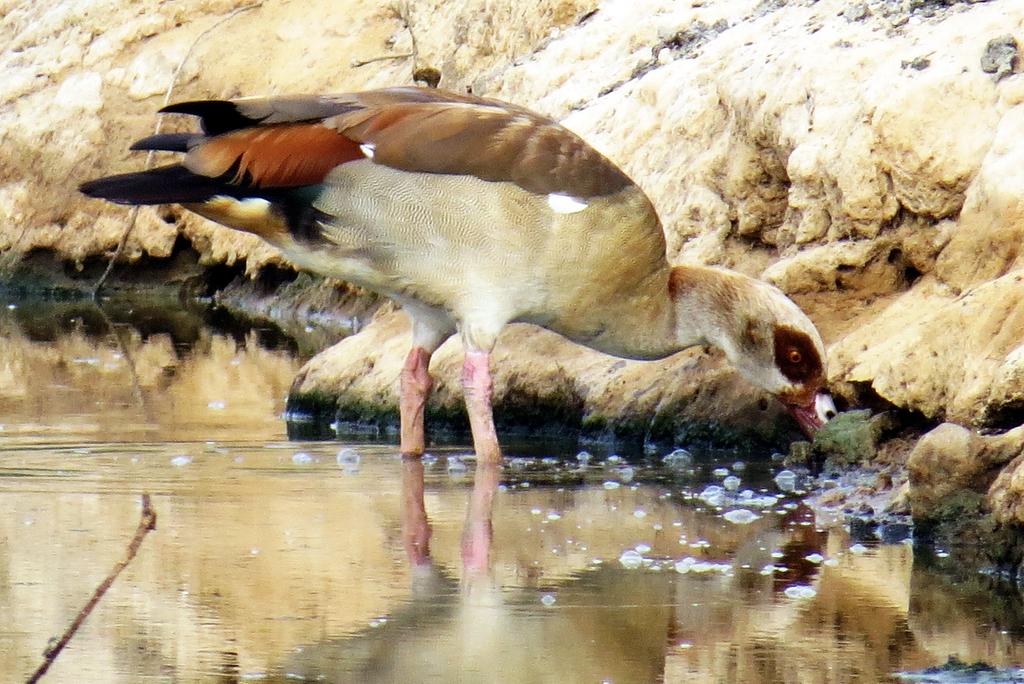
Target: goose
(472,213)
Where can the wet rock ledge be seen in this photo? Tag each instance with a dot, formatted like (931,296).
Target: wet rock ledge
(866,157)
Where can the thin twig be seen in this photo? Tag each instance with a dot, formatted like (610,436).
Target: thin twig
(137,394)
(146,523)
(134,213)
(363,62)
(401,10)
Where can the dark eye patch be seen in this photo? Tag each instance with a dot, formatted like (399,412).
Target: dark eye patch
(796,356)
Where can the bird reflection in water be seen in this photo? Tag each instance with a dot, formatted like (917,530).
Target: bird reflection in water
(605,626)
(478,532)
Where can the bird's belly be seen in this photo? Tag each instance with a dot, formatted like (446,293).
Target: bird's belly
(478,249)
(453,242)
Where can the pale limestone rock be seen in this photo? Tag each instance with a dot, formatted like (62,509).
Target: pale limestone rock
(942,354)
(952,458)
(81,92)
(933,152)
(1006,495)
(820,268)
(777,140)
(987,241)
(150,73)
(539,373)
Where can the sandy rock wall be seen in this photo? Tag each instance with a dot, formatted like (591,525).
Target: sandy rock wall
(866,157)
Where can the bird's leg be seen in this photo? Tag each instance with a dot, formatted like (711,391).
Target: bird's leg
(478,387)
(415,388)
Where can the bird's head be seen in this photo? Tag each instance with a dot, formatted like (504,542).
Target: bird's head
(770,341)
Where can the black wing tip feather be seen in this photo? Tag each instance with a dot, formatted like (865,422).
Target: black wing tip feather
(163,185)
(216,116)
(165,142)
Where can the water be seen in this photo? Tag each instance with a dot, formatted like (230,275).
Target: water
(278,560)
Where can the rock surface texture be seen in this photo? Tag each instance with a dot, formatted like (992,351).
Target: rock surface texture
(867,158)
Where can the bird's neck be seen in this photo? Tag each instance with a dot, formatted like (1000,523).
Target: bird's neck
(671,310)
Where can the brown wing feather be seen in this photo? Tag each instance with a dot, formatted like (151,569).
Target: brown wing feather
(297,140)
(275,156)
(483,139)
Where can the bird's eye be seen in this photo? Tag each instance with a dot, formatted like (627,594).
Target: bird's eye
(795,356)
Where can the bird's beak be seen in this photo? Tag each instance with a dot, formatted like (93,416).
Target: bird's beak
(813,415)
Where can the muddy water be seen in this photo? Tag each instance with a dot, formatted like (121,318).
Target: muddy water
(331,561)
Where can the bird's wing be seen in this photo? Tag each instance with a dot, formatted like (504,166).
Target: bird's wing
(293,141)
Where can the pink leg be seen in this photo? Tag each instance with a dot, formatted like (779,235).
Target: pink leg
(478,533)
(415,387)
(478,388)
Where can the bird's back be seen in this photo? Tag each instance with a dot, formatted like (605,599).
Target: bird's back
(454,200)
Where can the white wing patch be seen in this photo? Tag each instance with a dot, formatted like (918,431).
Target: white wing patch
(248,209)
(367,149)
(561,203)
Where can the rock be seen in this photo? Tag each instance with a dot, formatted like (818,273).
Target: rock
(799,455)
(917,64)
(783,139)
(1006,495)
(542,382)
(956,357)
(857,12)
(933,153)
(952,467)
(984,244)
(1000,57)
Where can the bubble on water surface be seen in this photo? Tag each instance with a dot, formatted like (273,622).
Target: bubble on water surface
(180,461)
(814,558)
(216,405)
(731,483)
(713,495)
(611,484)
(347,458)
(800,591)
(631,560)
(680,458)
(704,567)
(720,472)
(786,480)
(548,599)
(302,458)
(741,516)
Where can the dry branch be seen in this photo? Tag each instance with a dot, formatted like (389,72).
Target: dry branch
(146,523)
(134,213)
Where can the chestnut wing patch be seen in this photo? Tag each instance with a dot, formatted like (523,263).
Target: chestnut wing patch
(274,156)
(293,141)
(796,356)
